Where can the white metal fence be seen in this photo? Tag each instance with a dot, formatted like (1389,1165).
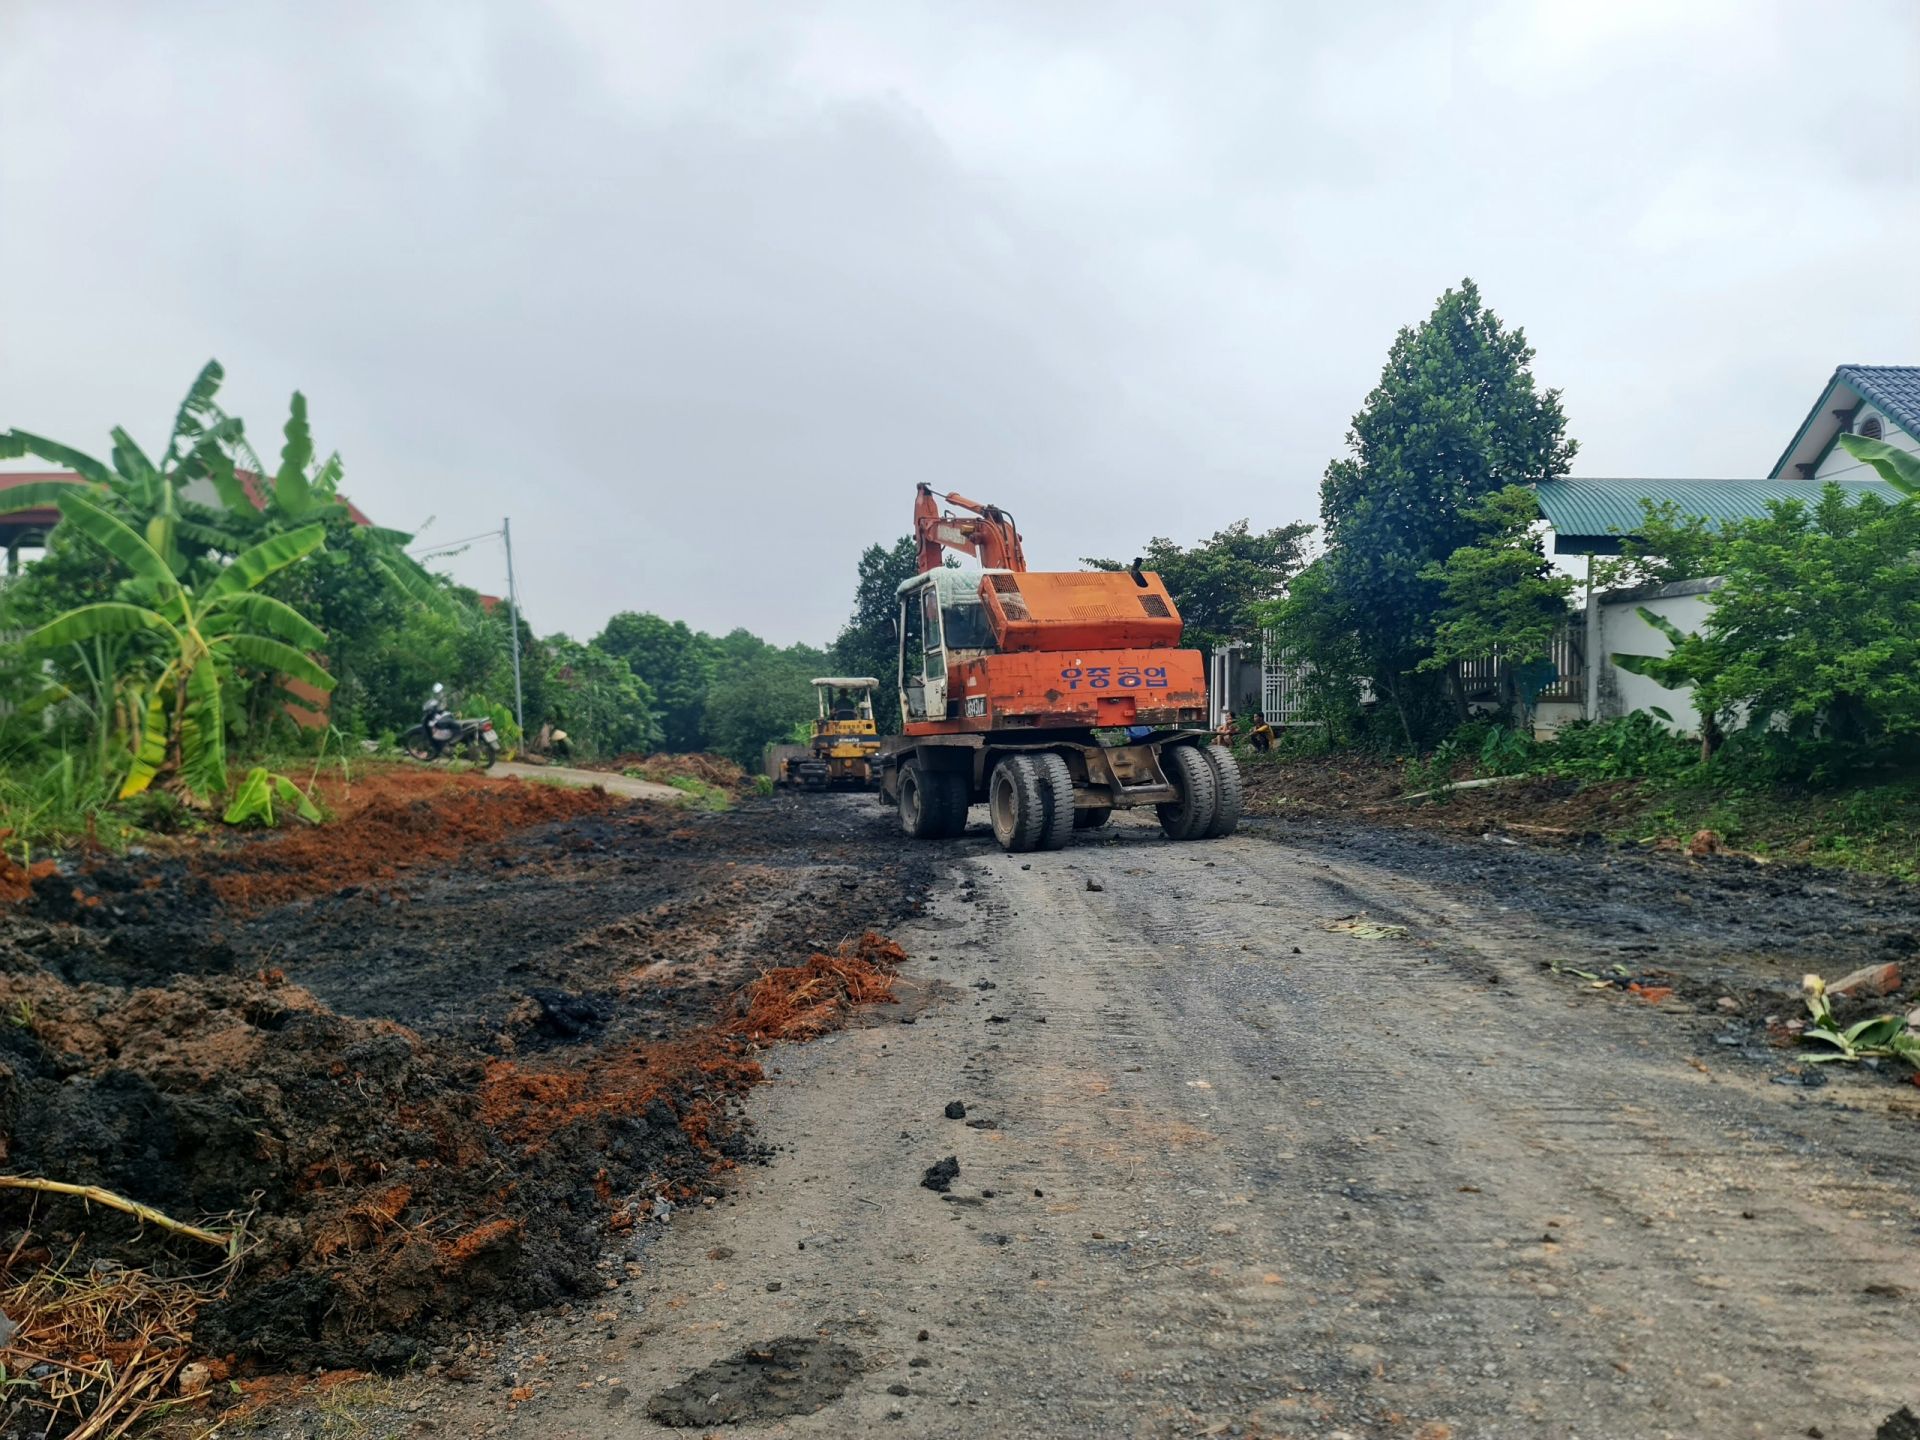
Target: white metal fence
(1283,679)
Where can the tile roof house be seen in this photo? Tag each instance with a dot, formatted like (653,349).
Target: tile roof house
(1880,401)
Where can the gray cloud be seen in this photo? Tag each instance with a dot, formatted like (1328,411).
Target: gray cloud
(697,293)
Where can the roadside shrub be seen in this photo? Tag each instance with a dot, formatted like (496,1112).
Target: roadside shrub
(1634,746)
(1498,749)
(1812,644)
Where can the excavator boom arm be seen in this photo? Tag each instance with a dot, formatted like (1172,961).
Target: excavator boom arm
(988,533)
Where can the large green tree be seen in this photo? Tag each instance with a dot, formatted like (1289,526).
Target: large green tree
(867,644)
(676,664)
(759,694)
(1221,583)
(1501,594)
(1456,416)
(597,699)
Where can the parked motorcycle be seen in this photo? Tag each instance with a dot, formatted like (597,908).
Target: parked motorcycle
(441,734)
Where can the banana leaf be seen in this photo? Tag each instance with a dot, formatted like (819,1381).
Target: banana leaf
(203,733)
(118,540)
(273,617)
(54,453)
(292,493)
(190,420)
(266,558)
(34,495)
(218,467)
(292,794)
(273,655)
(413,580)
(88,622)
(1899,468)
(253,800)
(132,462)
(153,745)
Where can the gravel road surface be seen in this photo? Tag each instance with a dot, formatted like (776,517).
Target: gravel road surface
(1224,1170)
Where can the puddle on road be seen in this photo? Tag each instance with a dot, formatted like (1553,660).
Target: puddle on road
(794,1375)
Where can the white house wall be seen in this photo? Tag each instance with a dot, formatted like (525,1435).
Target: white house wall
(1839,463)
(1623,632)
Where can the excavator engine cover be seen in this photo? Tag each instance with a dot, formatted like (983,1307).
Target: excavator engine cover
(1079,610)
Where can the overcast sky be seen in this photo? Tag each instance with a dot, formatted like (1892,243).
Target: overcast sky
(696,292)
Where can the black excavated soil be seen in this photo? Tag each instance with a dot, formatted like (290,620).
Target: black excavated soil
(432,1093)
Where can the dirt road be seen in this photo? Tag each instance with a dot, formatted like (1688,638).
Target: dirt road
(612,782)
(1226,1171)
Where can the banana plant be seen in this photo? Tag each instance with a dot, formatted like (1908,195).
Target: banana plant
(253,801)
(1675,671)
(145,493)
(198,634)
(297,492)
(1899,468)
(1882,1035)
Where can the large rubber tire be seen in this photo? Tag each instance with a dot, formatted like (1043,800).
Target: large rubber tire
(1017,804)
(1228,792)
(1093,818)
(1056,786)
(954,799)
(416,743)
(922,809)
(1191,776)
(480,754)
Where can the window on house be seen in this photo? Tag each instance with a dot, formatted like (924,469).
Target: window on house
(1871,428)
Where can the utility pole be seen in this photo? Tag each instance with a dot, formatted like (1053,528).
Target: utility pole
(513,616)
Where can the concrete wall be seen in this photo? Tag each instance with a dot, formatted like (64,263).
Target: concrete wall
(1683,603)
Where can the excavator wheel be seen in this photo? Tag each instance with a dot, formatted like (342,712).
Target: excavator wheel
(1227,791)
(1017,804)
(1056,783)
(921,810)
(1189,817)
(1093,818)
(933,803)
(952,790)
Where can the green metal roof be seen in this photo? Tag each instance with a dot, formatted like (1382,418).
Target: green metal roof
(1590,516)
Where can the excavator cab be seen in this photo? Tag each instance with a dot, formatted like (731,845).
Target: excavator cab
(943,622)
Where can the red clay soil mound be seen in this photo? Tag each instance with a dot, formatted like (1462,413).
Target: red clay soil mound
(389,820)
(529,1103)
(798,1002)
(394,1183)
(16,880)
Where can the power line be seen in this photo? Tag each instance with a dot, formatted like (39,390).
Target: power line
(455,544)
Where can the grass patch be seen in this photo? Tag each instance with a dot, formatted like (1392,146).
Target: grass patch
(59,803)
(1626,779)
(704,796)
(1868,827)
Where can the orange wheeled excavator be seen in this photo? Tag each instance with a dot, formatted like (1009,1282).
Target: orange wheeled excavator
(1054,698)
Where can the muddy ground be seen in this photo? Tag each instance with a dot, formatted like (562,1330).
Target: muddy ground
(1296,1134)
(1332,1129)
(439,1054)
